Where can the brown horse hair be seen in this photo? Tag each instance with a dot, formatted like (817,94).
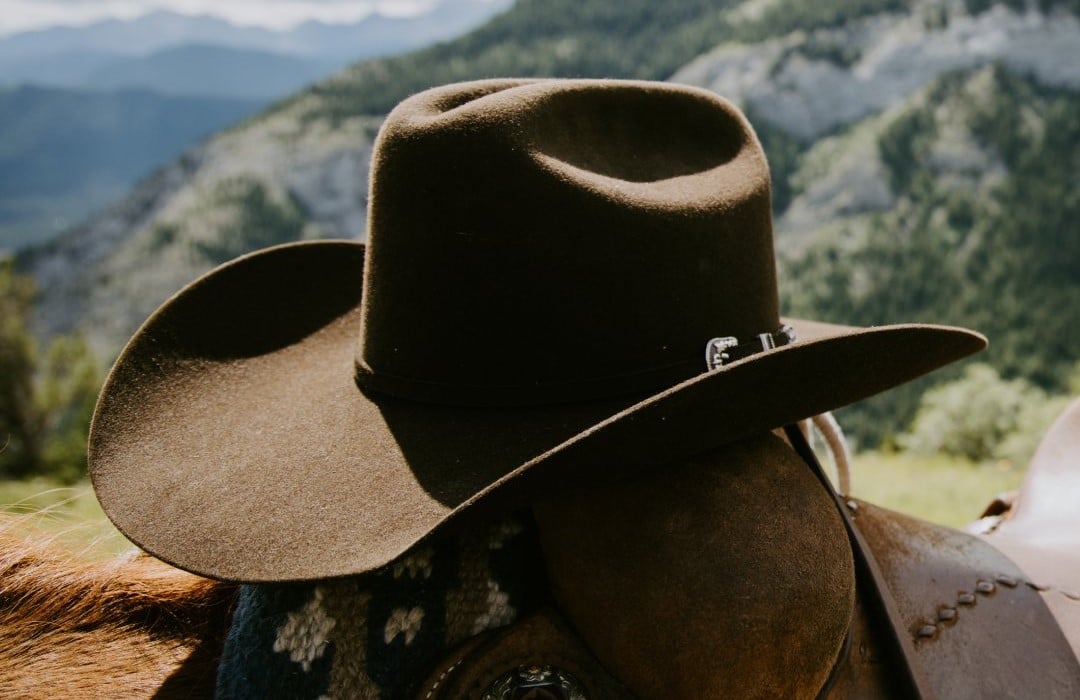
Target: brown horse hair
(128,627)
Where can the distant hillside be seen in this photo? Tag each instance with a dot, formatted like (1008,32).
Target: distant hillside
(206,70)
(64,152)
(906,139)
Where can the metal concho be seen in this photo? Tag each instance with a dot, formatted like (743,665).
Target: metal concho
(536,683)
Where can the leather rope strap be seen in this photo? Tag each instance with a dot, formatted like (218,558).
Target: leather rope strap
(867,566)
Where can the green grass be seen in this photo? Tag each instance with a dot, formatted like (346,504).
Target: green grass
(946,490)
(68,515)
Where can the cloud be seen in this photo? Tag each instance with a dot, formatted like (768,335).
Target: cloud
(21,15)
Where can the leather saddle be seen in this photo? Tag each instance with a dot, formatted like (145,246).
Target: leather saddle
(1040,528)
(743,574)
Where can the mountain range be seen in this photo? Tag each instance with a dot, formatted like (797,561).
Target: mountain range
(55,170)
(139,77)
(57,52)
(189,69)
(922,154)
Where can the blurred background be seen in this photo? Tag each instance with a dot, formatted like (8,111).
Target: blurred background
(924,156)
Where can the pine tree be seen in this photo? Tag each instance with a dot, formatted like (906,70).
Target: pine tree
(20,427)
(46,404)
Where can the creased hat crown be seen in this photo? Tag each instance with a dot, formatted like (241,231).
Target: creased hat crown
(537,242)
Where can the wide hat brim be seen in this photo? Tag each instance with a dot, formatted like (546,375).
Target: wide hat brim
(231,439)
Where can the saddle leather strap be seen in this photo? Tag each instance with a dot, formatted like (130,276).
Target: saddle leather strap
(537,658)
(980,627)
(868,569)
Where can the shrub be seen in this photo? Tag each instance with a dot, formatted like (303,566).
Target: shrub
(45,406)
(20,449)
(982,416)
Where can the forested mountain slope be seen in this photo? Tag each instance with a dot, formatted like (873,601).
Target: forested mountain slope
(923,170)
(981,227)
(923,153)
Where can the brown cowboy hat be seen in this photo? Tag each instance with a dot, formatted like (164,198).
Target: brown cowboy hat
(563,281)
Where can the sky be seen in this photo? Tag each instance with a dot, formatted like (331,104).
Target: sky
(23,15)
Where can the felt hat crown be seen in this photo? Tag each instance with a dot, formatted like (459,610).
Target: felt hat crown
(563,281)
(540,244)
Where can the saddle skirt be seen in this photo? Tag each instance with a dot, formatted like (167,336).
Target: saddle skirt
(978,624)
(1040,530)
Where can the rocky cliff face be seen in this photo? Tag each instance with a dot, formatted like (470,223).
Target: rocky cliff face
(811,84)
(827,95)
(835,90)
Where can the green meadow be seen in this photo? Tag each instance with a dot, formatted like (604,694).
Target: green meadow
(69,516)
(942,489)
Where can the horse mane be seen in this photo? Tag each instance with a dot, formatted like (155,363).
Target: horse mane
(131,626)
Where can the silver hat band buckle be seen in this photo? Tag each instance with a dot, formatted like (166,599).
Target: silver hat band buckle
(729,348)
(539,682)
